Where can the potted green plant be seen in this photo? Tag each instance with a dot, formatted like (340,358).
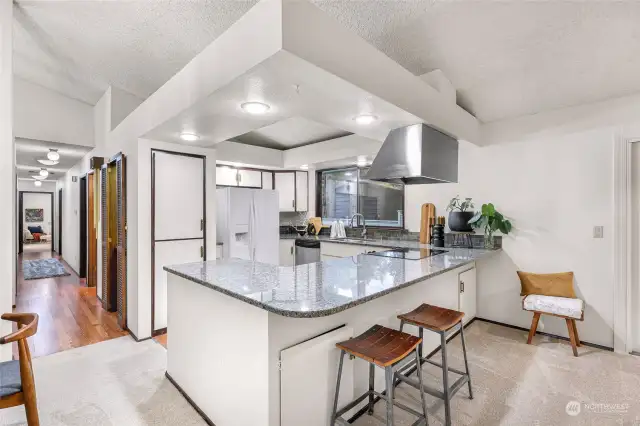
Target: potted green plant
(491,220)
(460,213)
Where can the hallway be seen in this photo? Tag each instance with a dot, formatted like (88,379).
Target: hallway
(71,315)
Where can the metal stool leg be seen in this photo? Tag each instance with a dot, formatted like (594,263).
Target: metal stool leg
(401,325)
(421,335)
(335,401)
(372,380)
(421,390)
(388,372)
(466,364)
(445,380)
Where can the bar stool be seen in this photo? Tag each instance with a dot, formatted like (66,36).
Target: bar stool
(385,348)
(442,321)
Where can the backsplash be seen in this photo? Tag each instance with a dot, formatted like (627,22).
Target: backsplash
(293,218)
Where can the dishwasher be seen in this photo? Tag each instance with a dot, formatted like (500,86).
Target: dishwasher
(307,251)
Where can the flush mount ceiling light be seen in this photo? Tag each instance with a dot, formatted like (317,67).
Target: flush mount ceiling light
(365,119)
(37,183)
(53,154)
(255,107)
(44,173)
(189,137)
(305,167)
(38,177)
(48,162)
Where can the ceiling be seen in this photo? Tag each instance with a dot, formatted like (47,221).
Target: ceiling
(506,58)
(28,151)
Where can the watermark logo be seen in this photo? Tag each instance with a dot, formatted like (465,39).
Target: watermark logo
(573,408)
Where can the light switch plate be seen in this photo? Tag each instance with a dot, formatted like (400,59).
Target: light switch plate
(598,232)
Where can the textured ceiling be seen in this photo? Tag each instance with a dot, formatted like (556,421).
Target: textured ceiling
(28,151)
(506,58)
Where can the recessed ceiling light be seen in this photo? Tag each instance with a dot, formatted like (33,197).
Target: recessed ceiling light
(189,137)
(37,183)
(48,162)
(255,107)
(53,154)
(365,119)
(305,167)
(44,173)
(348,174)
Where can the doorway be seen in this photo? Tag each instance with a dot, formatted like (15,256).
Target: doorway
(83,228)
(35,221)
(178,221)
(60,222)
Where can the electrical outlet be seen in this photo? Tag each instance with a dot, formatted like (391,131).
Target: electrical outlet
(598,232)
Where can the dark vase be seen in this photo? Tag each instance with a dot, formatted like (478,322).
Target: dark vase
(459,221)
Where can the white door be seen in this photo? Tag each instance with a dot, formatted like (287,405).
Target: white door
(308,380)
(226,176)
(178,217)
(250,178)
(302,191)
(467,288)
(286,187)
(267,180)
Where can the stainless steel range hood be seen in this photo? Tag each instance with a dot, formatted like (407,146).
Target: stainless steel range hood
(416,154)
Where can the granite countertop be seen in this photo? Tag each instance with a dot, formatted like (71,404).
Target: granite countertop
(360,242)
(321,288)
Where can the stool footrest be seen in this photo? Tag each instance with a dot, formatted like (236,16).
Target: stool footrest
(340,420)
(412,363)
(432,391)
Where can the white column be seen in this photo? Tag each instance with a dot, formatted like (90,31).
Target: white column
(7,174)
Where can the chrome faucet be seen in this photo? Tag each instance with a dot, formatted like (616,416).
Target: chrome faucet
(364,224)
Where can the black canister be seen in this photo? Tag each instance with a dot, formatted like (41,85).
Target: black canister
(437,235)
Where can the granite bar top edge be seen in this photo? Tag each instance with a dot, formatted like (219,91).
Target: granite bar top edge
(321,312)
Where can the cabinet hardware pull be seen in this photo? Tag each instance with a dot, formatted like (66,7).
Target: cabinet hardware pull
(293,203)
(291,250)
(202,224)
(461,286)
(202,252)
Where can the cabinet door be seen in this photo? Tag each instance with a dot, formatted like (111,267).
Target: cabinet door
(287,250)
(250,178)
(267,180)
(226,176)
(308,379)
(285,185)
(302,191)
(467,289)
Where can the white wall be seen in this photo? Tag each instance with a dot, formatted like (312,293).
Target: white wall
(139,228)
(46,115)
(122,104)
(7,175)
(27,185)
(38,201)
(555,190)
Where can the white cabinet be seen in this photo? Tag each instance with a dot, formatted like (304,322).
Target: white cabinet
(467,294)
(285,184)
(250,178)
(308,379)
(267,180)
(287,252)
(302,191)
(218,251)
(226,176)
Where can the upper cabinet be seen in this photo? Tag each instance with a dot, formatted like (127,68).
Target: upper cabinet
(267,180)
(293,189)
(285,184)
(230,176)
(302,191)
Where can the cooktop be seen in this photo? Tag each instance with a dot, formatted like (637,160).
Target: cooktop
(408,254)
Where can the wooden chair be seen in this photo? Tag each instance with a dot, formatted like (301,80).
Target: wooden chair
(17,386)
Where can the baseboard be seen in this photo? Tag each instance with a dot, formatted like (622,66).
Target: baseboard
(409,372)
(555,336)
(159,332)
(134,337)
(189,400)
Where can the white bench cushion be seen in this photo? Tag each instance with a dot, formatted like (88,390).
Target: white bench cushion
(562,306)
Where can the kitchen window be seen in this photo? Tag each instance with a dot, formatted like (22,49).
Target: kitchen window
(345,192)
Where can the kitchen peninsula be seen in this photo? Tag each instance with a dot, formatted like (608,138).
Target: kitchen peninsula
(254,344)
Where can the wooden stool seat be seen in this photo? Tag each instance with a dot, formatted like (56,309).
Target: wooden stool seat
(380,345)
(432,317)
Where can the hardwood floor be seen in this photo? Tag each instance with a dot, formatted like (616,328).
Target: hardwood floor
(162,339)
(70,313)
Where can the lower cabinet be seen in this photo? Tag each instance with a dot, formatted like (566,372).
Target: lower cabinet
(218,252)
(287,252)
(467,294)
(329,250)
(308,370)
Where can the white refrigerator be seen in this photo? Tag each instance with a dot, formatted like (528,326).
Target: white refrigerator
(248,224)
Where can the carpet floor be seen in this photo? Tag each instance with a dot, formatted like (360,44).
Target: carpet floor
(121,382)
(43,268)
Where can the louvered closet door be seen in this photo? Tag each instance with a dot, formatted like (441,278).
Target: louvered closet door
(105,237)
(179,231)
(121,243)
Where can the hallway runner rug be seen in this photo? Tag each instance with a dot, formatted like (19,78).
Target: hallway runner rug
(43,268)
